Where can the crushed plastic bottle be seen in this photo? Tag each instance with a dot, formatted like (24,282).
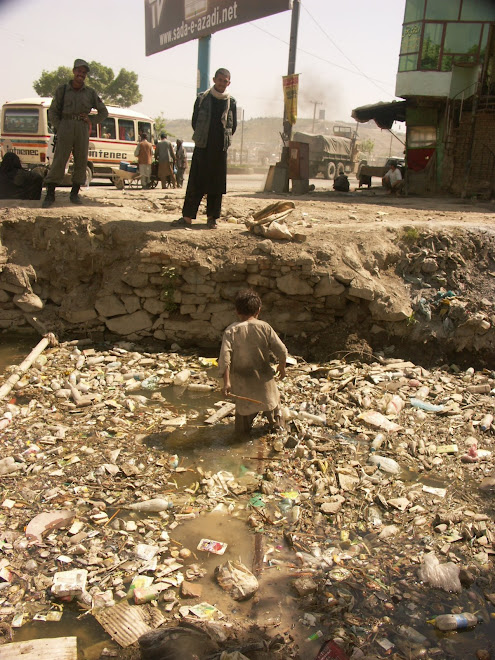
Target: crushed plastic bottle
(384,463)
(486,422)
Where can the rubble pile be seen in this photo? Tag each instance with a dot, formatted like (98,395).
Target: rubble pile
(371,512)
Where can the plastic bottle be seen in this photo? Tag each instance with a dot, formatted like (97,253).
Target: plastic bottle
(384,463)
(152,506)
(486,422)
(456,621)
(377,442)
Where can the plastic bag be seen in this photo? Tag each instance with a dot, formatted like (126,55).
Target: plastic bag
(236,579)
(442,576)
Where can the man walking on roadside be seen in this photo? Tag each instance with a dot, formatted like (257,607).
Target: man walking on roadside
(69,116)
(166,160)
(144,153)
(214,122)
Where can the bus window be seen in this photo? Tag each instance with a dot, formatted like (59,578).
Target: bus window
(107,130)
(145,127)
(126,130)
(21,120)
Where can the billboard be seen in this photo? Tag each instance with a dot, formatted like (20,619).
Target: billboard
(169,23)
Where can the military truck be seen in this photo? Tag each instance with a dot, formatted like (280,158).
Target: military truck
(331,155)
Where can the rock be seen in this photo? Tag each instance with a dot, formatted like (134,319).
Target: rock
(328,286)
(135,278)
(28,302)
(334,505)
(305,586)
(191,590)
(429,266)
(292,285)
(108,306)
(126,325)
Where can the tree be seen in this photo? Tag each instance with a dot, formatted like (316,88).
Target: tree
(122,91)
(367,146)
(160,125)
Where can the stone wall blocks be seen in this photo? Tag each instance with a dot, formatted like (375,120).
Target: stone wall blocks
(149,268)
(258,281)
(293,285)
(147,292)
(154,306)
(192,299)
(131,303)
(131,323)
(225,276)
(196,274)
(134,278)
(77,316)
(221,320)
(201,316)
(328,286)
(4,296)
(187,309)
(108,306)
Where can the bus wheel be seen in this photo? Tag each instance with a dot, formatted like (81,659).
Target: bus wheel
(330,171)
(89,176)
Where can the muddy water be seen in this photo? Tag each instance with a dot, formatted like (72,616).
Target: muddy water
(200,449)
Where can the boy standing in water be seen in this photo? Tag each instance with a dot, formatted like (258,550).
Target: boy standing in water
(244,364)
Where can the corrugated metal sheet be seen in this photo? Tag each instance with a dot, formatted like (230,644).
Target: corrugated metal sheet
(55,648)
(126,623)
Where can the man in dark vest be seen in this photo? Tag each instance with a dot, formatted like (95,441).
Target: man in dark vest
(69,116)
(214,122)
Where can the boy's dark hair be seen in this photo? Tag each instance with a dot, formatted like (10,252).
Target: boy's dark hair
(247,302)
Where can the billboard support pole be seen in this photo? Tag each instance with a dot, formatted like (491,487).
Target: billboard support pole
(203,64)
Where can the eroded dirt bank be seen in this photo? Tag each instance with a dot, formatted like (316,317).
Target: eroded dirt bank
(372,272)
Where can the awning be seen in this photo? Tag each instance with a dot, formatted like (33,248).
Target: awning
(384,114)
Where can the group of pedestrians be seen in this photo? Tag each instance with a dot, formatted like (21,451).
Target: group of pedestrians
(171,164)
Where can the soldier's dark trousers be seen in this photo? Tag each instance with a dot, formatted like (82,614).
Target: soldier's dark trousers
(72,136)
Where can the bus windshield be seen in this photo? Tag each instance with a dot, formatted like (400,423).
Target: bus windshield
(21,120)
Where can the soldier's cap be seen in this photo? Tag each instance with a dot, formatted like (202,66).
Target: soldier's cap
(78,63)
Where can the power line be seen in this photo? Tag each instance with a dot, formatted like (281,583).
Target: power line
(371,80)
(318,57)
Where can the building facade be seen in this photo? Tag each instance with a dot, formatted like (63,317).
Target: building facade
(447,76)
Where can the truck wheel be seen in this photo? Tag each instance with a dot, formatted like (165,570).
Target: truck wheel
(340,168)
(89,176)
(330,171)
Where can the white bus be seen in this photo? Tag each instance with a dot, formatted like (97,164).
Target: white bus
(25,130)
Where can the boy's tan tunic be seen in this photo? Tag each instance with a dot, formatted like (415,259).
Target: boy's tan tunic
(246,349)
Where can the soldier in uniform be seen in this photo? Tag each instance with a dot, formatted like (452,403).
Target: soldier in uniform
(69,116)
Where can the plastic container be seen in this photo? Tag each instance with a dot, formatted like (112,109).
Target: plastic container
(486,422)
(377,442)
(123,165)
(456,621)
(384,463)
(182,377)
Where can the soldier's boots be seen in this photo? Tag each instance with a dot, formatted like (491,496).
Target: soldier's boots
(74,195)
(50,196)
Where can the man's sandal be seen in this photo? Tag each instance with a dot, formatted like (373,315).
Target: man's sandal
(181,223)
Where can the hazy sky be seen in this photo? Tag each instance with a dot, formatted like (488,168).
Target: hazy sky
(347,53)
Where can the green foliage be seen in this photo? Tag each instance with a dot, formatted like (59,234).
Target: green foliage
(48,82)
(121,91)
(161,125)
(410,235)
(367,146)
(170,276)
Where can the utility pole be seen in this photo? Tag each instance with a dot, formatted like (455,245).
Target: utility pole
(314,113)
(291,69)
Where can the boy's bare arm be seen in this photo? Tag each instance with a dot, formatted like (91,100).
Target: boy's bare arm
(281,368)
(226,382)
